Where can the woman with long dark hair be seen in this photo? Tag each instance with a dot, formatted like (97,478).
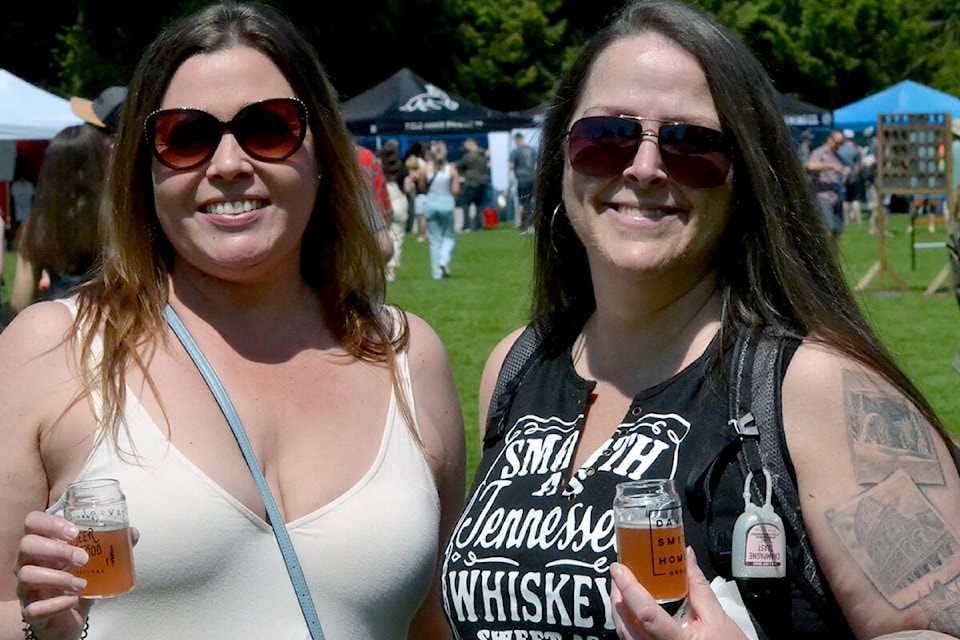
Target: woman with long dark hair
(62,235)
(673,220)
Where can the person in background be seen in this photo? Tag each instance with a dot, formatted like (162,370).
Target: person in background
(474,169)
(869,170)
(399,184)
(523,164)
(234,202)
(416,163)
(69,251)
(853,193)
(62,238)
(22,191)
(829,173)
(673,217)
(806,146)
(102,112)
(953,222)
(4,310)
(378,187)
(440,181)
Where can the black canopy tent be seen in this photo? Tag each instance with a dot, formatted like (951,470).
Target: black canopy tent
(406,104)
(797,113)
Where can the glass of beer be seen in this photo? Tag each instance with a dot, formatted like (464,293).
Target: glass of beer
(99,509)
(649,523)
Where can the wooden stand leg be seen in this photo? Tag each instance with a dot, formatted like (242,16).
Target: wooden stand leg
(938,282)
(880,267)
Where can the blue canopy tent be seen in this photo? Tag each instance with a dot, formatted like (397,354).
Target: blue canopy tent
(903,97)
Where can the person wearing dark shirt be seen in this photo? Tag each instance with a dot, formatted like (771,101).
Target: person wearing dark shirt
(474,169)
(673,221)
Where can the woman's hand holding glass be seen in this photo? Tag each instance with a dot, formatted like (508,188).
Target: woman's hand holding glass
(48,592)
(637,615)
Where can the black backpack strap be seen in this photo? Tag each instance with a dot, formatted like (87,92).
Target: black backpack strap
(755,404)
(515,365)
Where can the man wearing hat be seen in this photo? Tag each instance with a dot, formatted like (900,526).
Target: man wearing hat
(104,111)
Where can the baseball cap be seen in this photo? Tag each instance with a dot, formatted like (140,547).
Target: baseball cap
(104,111)
(848,133)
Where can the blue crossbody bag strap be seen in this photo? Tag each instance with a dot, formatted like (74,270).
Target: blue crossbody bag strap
(273,513)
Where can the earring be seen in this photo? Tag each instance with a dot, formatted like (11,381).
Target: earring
(553,218)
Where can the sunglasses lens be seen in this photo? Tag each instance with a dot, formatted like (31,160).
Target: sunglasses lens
(271,130)
(602,146)
(695,156)
(183,138)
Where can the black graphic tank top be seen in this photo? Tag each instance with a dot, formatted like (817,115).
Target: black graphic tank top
(532,550)
(531,553)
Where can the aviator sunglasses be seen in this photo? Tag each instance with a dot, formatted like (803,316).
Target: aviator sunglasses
(269,130)
(694,156)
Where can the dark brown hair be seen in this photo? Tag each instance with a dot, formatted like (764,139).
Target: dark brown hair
(62,234)
(776,265)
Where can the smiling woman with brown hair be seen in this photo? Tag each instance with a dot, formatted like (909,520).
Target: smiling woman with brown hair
(674,229)
(237,225)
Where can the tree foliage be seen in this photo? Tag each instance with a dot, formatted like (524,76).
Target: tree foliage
(507,54)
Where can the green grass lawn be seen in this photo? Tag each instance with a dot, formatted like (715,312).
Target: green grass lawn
(922,331)
(486,297)
(489,292)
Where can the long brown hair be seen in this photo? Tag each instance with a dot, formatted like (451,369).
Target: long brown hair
(62,234)
(776,264)
(339,255)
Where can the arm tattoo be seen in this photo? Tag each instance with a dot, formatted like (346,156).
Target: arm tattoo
(893,532)
(899,540)
(887,433)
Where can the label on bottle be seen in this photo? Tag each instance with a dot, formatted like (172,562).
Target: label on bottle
(764,546)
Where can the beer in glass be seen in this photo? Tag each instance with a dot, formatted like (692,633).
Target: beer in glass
(99,509)
(650,541)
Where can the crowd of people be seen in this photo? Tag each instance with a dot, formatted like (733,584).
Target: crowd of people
(844,174)
(229,356)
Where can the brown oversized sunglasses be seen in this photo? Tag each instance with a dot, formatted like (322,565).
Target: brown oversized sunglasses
(269,130)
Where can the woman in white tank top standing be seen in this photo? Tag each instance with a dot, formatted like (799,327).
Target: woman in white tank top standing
(237,204)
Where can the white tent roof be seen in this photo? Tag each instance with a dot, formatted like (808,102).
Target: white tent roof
(30,113)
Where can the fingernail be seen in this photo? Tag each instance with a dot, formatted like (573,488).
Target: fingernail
(78,584)
(80,557)
(71,531)
(616,570)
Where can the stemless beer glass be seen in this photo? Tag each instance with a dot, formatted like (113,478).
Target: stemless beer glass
(99,509)
(650,542)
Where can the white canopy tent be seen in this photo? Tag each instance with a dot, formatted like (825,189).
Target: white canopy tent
(30,113)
